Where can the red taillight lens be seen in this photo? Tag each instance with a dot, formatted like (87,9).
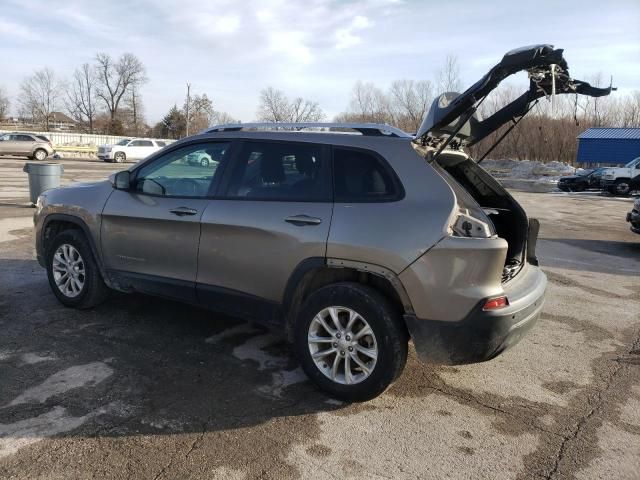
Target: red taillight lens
(496,303)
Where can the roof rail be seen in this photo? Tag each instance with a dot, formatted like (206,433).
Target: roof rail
(367,129)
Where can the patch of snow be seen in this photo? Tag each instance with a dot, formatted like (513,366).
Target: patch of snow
(31,358)
(549,172)
(282,380)
(65,380)
(253,349)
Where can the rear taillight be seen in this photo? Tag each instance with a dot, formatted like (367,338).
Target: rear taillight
(496,303)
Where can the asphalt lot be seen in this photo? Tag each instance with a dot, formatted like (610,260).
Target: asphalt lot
(146,388)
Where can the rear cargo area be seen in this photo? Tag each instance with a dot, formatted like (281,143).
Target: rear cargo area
(506,215)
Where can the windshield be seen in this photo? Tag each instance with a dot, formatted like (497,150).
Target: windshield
(633,162)
(123,142)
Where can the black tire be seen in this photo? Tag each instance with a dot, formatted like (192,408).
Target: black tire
(580,187)
(94,291)
(119,157)
(40,152)
(622,187)
(385,321)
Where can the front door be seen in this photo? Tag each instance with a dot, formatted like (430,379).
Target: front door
(274,212)
(150,234)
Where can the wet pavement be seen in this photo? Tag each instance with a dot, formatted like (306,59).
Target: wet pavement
(145,388)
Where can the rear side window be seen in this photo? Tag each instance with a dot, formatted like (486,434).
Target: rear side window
(141,143)
(280,171)
(361,176)
(25,138)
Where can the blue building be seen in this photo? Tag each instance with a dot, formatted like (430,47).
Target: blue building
(608,146)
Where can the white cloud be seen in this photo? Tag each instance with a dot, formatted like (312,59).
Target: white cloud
(346,38)
(16,31)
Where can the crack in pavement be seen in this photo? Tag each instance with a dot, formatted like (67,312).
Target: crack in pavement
(597,402)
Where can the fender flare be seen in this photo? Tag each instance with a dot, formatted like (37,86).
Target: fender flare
(311,263)
(63,217)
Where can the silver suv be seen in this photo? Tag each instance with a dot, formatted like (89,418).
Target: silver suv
(350,243)
(21,144)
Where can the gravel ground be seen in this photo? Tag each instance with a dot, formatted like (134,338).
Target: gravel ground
(146,388)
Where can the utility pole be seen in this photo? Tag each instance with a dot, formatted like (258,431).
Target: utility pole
(188,101)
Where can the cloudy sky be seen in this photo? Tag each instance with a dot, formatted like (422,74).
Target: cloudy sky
(314,48)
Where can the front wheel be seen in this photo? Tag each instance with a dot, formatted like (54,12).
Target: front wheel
(350,341)
(622,187)
(119,157)
(72,271)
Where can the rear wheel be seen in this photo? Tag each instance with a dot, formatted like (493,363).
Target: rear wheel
(40,154)
(73,273)
(351,341)
(119,157)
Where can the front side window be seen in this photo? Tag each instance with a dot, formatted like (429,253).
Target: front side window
(161,144)
(280,171)
(360,176)
(174,175)
(123,142)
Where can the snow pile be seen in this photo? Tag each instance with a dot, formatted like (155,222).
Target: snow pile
(528,170)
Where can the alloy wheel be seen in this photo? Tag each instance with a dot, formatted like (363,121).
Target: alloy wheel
(342,345)
(68,270)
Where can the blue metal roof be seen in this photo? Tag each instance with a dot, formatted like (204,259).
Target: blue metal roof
(611,133)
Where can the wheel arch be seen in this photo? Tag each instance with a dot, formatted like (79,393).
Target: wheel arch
(58,222)
(317,272)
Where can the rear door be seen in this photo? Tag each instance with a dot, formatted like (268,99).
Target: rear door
(24,144)
(150,234)
(274,213)
(139,149)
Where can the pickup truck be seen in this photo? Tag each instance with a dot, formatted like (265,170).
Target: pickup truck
(618,181)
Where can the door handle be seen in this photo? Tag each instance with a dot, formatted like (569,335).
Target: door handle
(302,220)
(182,211)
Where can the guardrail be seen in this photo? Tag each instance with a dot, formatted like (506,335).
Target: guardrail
(64,141)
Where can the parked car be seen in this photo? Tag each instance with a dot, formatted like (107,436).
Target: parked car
(617,181)
(633,217)
(21,144)
(351,244)
(129,149)
(586,180)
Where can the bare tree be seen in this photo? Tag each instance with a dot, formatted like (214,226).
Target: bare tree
(39,96)
(221,118)
(409,102)
(117,79)
(448,78)
(200,112)
(276,107)
(133,103)
(81,96)
(4,103)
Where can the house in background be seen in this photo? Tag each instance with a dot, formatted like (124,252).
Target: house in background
(60,121)
(605,147)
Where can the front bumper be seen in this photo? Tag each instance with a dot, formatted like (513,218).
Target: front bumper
(633,217)
(482,335)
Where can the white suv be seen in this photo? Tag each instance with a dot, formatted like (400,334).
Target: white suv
(129,149)
(620,180)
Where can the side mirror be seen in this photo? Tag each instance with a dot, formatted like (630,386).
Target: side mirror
(122,180)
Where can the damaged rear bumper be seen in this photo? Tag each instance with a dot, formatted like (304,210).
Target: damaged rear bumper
(482,335)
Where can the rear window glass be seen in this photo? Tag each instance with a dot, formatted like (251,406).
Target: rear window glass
(361,176)
(280,171)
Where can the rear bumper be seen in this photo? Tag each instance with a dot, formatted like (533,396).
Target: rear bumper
(482,335)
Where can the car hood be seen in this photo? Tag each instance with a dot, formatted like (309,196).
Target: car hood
(454,114)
